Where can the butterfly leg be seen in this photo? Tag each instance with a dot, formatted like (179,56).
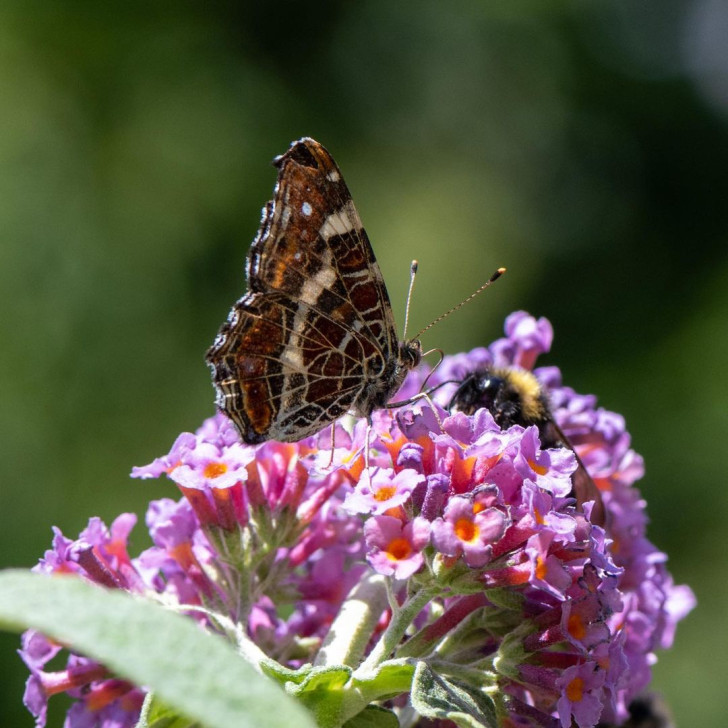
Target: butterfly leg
(333,446)
(366,449)
(412,400)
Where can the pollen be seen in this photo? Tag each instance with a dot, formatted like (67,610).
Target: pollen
(466,530)
(575,690)
(384,493)
(399,549)
(214,470)
(541,568)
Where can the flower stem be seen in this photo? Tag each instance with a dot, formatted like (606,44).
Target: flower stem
(352,629)
(454,617)
(401,620)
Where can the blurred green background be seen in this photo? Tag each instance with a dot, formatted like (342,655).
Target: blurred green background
(582,145)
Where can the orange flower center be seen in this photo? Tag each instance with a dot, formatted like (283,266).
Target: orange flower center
(575,690)
(577,628)
(538,469)
(213,470)
(399,549)
(385,493)
(466,530)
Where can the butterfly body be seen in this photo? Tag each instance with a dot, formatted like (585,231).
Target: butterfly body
(314,337)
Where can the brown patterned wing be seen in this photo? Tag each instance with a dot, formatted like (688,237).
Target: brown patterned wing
(277,384)
(314,336)
(313,246)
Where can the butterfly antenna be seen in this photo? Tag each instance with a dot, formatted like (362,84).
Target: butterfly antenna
(492,279)
(413,273)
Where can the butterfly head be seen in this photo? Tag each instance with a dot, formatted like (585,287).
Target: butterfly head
(410,354)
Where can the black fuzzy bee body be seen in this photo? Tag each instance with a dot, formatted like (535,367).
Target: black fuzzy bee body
(516,397)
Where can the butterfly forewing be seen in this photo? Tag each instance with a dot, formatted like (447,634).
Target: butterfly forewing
(314,336)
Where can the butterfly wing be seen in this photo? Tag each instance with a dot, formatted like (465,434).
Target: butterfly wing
(316,326)
(313,246)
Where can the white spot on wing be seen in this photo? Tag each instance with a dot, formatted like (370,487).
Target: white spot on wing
(333,176)
(293,358)
(306,209)
(313,286)
(341,222)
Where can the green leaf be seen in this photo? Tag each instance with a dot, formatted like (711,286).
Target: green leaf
(323,693)
(511,652)
(373,717)
(391,678)
(506,598)
(155,714)
(334,694)
(433,696)
(283,675)
(322,679)
(194,672)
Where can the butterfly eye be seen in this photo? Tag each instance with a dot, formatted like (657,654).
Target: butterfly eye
(410,353)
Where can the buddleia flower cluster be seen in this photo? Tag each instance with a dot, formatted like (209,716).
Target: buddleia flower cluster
(437,565)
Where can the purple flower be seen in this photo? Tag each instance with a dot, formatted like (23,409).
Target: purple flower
(550,469)
(548,571)
(526,338)
(183,445)
(479,520)
(581,695)
(468,531)
(396,547)
(382,490)
(540,507)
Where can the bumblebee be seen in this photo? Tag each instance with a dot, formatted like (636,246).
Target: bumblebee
(516,397)
(649,711)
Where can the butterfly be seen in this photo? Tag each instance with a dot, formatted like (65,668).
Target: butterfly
(314,336)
